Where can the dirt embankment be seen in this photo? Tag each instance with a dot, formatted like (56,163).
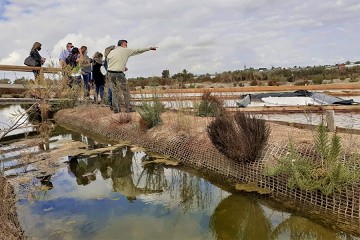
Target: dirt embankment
(9,225)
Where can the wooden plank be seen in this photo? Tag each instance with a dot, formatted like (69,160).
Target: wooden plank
(282,88)
(12,86)
(30,100)
(14,68)
(297,109)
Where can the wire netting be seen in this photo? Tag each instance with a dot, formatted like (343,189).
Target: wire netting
(193,147)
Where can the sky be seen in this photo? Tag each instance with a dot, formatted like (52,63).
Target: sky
(203,36)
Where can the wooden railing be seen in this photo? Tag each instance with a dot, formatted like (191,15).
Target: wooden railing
(42,70)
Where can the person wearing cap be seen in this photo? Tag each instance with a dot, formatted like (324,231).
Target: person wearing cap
(65,53)
(117,60)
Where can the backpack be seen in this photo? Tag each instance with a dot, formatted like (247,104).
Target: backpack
(106,53)
(71,60)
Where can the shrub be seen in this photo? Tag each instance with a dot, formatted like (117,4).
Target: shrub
(318,79)
(122,118)
(273,83)
(302,83)
(254,83)
(353,79)
(209,106)
(240,137)
(150,113)
(329,171)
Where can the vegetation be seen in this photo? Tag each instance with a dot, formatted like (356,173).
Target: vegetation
(240,137)
(275,76)
(330,171)
(150,113)
(209,106)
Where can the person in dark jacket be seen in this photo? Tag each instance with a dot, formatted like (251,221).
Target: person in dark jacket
(98,77)
(72,67)
(39,61)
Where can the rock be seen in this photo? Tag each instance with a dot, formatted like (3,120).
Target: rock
(252,187)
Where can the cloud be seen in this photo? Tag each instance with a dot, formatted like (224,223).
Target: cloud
(203,36)
(12,59)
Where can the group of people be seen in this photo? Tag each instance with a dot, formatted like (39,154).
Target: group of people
(114,62)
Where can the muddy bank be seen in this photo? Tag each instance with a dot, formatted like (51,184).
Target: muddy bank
(184,138)
(9,225)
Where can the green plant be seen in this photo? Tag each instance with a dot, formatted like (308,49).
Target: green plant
(353,79)
(328,171)
(150,113)
(209,106)
(318,79)
(240,137)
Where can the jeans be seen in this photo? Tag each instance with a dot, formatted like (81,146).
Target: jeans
(120,91)
(99,89)
(109,96)
(86,78)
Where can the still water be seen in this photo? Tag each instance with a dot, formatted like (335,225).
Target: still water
(119,195)
(115,195)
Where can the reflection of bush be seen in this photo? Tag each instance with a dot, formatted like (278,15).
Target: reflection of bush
(239,136)
(240,217)
(302,228)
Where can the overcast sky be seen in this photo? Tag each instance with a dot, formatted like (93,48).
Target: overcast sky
(203,36)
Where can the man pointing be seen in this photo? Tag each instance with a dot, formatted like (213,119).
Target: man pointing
(117,60)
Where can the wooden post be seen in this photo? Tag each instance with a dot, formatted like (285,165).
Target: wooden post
(330,122)
(41,75)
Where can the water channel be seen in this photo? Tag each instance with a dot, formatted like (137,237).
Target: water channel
(115,195)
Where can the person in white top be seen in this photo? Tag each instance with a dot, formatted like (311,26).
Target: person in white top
(117,60)
(65,53)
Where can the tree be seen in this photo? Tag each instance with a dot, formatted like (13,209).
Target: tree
(165,74)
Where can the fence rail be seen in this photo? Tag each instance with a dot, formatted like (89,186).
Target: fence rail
(42,70)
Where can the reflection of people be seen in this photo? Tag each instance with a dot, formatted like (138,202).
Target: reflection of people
(34,53)
(122,177)
(117,60)
(83,170)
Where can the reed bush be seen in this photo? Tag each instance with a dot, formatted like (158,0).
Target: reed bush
(240,137)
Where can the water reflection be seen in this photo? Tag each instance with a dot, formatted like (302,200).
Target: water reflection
(102,195)
(119,168)
(246,217)
(296,227)
(240,217)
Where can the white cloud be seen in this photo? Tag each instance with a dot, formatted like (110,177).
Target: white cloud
(12,59)
(205,36)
